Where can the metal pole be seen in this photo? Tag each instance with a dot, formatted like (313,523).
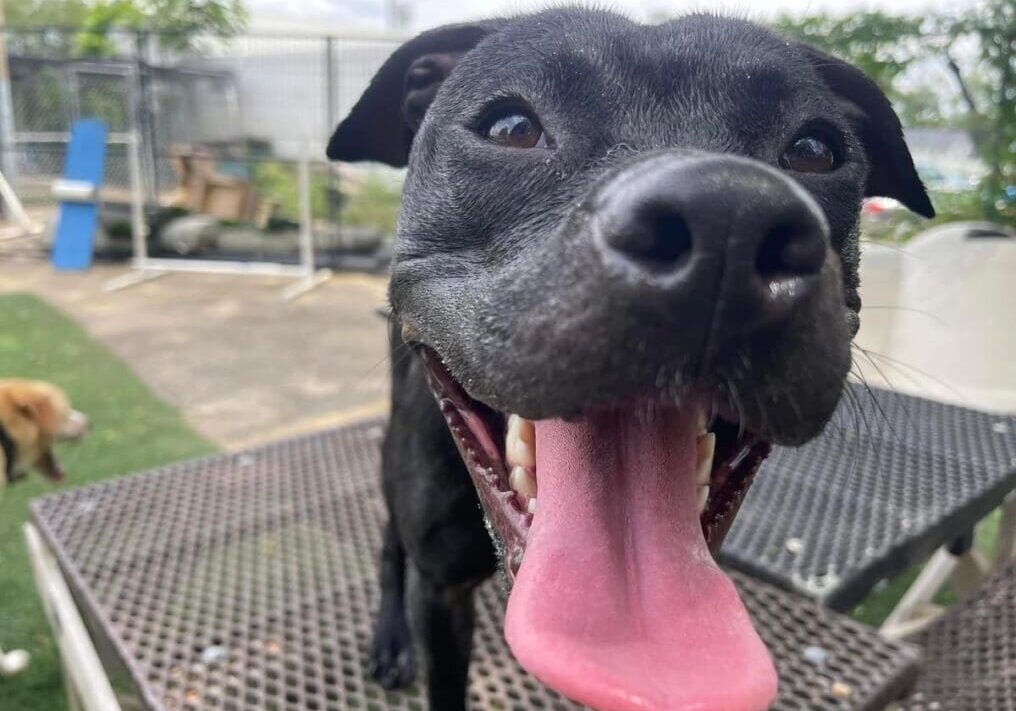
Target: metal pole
(142,116)
(9,202)
(306,229)
(311,277)
(331,120)
(74,83)
(8,163)
(139,228)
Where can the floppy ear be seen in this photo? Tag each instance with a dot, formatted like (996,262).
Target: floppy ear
(40,407)
(382,123)
(891,168)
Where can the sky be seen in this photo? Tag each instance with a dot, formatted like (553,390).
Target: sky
(371,15)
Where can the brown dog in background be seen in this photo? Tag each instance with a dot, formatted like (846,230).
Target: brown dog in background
(34,416)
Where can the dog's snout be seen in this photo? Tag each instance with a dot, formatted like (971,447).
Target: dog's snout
(683,229)
(74,426)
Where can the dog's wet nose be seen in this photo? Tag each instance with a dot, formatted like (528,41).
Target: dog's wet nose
(713,229)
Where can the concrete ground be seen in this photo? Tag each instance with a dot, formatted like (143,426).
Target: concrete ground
(241,364)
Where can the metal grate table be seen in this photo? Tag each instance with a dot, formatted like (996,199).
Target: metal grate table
(893,478)
(247,581)
(971,652)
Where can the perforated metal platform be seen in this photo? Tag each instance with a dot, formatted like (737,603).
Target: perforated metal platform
(893,478)
(247,581)
(970,652)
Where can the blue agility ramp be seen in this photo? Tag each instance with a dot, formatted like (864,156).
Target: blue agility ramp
(78,192)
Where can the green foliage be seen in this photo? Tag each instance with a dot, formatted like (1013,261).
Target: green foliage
(883,46)
(375,204)
(31,20)
(175,24)
(42,104)
(182,19)
(278,183)
(106,15)
(45,13)
(910,56)
(131,430)
(992,102)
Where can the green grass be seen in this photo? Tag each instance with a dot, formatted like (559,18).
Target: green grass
(132,429)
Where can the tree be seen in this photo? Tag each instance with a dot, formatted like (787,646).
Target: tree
(883,46)
(990,95)
(30,24)
(982,98)
(176,24)
(45,13)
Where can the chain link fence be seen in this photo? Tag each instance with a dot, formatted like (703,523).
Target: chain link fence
(228,117)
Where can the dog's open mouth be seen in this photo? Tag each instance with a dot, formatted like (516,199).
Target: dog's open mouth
(606,525)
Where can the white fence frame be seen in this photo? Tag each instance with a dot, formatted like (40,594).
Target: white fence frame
(145,268)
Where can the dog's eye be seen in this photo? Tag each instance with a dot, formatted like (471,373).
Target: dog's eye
(515,129)
(810,154)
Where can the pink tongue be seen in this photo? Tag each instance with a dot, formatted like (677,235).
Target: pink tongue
(618,603)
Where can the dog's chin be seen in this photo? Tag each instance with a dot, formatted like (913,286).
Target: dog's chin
(605,525)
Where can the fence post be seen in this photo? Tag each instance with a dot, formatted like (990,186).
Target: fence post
(331,120)
(139,225)
(306,214)
(311,276)
(8,157)
(141,116)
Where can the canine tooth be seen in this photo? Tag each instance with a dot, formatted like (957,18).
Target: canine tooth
(531,506)
(705,447)
(703,497)
(522,481)
(702,422)
(519,445)
(527,430)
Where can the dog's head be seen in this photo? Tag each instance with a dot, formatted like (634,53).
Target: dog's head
(34,415)
(642,243)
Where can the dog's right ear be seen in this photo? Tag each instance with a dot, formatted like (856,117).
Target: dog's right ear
(38,408)
(383,122)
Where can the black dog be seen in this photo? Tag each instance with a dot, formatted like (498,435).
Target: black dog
(642,240)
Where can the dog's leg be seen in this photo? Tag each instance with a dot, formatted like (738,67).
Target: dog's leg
(437,539)
(392,660)
(442,620)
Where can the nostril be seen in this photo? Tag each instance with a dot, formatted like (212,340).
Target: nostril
(673,239)
(658,240)
(790,250)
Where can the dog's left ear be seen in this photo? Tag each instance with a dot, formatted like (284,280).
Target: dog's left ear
(39,408)
(383,122)
(891,168)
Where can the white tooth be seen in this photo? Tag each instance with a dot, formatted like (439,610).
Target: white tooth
(519,442)
(532,506)
(522,481)
(702,422)
(703,497)
(705,446)
(527,431)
